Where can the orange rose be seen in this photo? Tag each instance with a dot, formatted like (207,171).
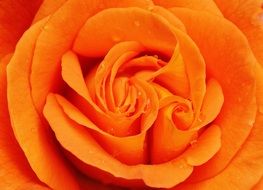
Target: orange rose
(131,94)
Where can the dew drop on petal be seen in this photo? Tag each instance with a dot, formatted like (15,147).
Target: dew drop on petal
(116,38)
(45,27)
(181,166)
(201,117)
(111,131)
(193,142)
(33,130)
(102,65)
(137,23)
(118,110)
(115,153)
(251,122)
(148,102)
(145,145)
(156,56)
(150,8)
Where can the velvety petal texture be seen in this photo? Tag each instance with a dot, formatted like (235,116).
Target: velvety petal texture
(15,170)
(232,97)
(131,94)
(15,18)
(248,17)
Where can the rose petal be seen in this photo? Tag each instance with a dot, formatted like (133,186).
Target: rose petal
(111,26)
(205,147)
(234,72)
(163,150)
(164,128)
(248,16)
(71,72)
(201,5)
(168,16)
(129,149)
(175,71)
(246,168)
(47,8)
(12,160)
(118,55)
(95,35)
(79,142)
(15,17)
(195,69)
(30,131)
(72,75)
(212,104)
(259,185)
(57,37)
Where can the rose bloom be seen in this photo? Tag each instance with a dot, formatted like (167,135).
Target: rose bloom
(131,94)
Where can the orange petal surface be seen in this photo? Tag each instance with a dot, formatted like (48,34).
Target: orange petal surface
(15,18)
(80,143)
(57,37)
(248,17)
(30,131)
(201,5)
(15,170)
(246,168)
(235,74)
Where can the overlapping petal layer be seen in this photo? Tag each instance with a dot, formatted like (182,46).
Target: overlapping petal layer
(238,88)
(248,17)
(103,78)
(30,131)
(15,18)
(12,160)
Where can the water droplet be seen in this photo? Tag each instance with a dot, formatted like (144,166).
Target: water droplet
(111,131)
(116,38)
(150,8)
(102,65)
(115,153)
(201,117)
(257,19)
(45,27)
(156,56)
(137,23)
(145,145)
(182,165)
(117,110)
(193,142)
(148,102)
(33,130)
(251,122)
